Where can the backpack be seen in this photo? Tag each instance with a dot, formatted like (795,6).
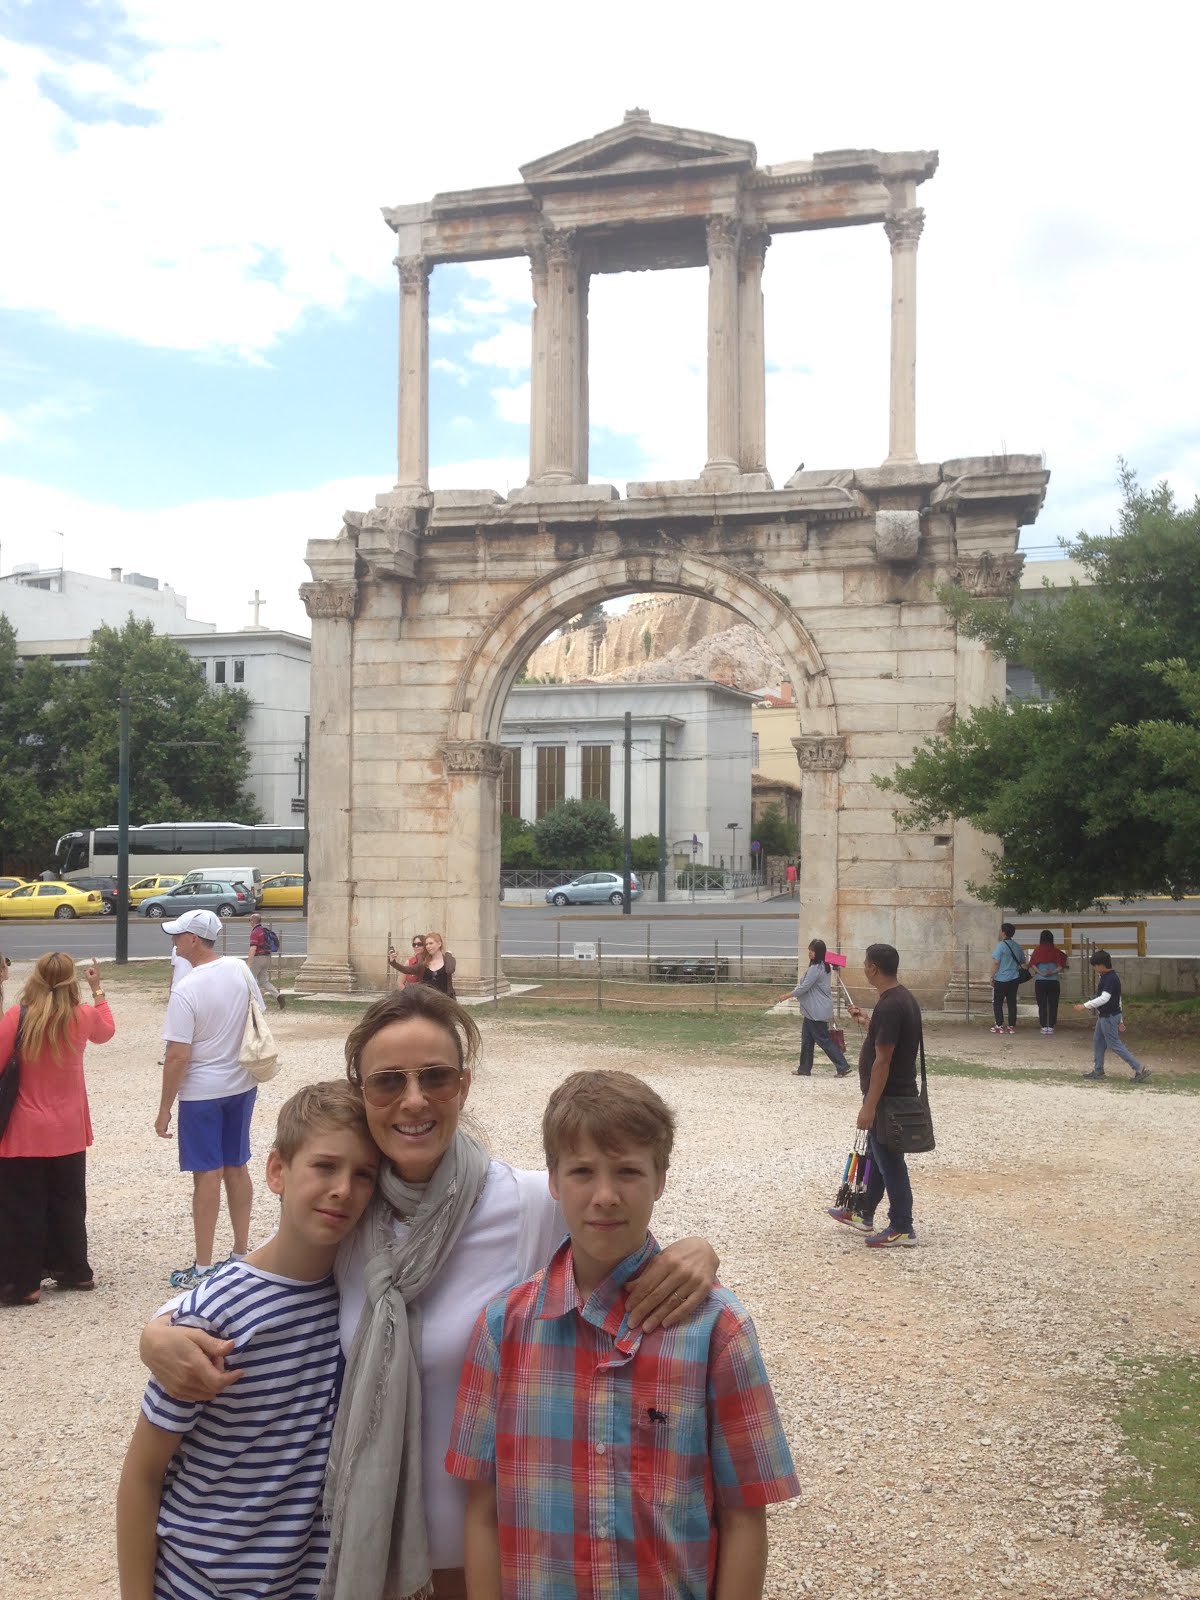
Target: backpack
(271,941)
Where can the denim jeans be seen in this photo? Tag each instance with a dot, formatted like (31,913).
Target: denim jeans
(1002,992)
(1046,992)
(889,1171)
(817,1033)
(1105,1038)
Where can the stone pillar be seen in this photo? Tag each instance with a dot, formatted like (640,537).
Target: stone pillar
(752,446)
(472,770)
(723,345)
(412,445)
(332,605)
(537,364)
(903,229)
(559,331)
(583,423)
(821,758)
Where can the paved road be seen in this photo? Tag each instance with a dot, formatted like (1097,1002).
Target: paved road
(768,928)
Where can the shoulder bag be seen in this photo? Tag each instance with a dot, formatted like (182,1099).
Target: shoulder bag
(10,1077)
(259,1054)
(904,1122)
(1023,972)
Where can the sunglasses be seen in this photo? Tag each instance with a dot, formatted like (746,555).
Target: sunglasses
(435,1083)
(418,944)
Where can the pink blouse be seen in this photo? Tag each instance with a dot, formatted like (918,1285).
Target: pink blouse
(50,1116)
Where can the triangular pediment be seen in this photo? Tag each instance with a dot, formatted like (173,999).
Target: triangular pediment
(638,145)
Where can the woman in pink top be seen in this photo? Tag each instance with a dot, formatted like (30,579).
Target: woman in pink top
(43,1199)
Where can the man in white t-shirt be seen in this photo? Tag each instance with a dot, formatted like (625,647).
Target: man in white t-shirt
(206,1017)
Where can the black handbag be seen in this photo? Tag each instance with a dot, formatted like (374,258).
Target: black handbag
(904,1122)
(1023,972)
(10,1078)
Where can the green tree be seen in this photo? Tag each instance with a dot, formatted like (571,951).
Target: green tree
(1097,791)
(777,836)
(645,852)
(577,833)
(518,848)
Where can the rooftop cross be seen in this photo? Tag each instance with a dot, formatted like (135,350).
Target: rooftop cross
(258,602)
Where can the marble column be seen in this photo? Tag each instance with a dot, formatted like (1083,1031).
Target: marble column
(537,365)
(723,344)
(903,229)
(559,337)
(472,769)
(332,607)
(583,422)
(821,758)
(752,444)
(412,421)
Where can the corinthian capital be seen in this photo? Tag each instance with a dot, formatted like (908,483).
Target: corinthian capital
(414,271)
(330,601)
(988,577)
(903,228)
(561,246)
(473,756)
(820,752)
(754,246)
(722,235)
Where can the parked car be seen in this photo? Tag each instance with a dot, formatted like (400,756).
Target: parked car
(593,888)
(250,878)
(12,883)
(226,899)
(156,883)
(62,900)
(107,889)
(283,889)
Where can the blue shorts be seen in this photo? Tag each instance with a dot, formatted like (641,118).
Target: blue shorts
(215,1133)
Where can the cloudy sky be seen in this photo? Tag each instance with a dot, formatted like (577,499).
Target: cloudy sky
(198,303)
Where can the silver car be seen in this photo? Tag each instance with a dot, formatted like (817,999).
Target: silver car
(226,899)
(594,888)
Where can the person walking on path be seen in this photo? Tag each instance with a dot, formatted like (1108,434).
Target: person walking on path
(816,1005)
(1107,1005)
(1007,960)
(1046,961)
(887,1065)
(206,1017)
(264,943)
(43,1150)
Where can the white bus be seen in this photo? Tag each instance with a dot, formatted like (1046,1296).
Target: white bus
(180,846)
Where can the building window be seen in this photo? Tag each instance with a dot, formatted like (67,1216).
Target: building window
(510,781)
(239,671)
(551,777)
(218,672)
(754,750)
(595,773)
(203,665)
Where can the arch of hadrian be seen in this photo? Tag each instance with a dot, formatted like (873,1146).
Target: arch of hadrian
(424,608)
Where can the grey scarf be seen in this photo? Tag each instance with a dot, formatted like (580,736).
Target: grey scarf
(374,1497)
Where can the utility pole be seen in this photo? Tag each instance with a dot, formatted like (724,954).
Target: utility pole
(306,778)
(627,853)
(122,941)
(662,811)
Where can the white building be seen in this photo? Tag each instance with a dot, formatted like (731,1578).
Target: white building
(55,612)
(566,741)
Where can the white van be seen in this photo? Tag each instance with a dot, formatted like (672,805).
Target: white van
(250,878)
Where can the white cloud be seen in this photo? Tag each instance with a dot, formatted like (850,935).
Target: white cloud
(508,348)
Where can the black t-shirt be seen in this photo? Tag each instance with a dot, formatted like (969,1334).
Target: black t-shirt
(1110,985)
(896,1020)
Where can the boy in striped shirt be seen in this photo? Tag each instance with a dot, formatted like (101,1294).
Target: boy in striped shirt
(604,1460)
(223,1498)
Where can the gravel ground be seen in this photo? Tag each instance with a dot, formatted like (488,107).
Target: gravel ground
(947,1406)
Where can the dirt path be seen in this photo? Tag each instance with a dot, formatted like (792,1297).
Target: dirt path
(947,1406)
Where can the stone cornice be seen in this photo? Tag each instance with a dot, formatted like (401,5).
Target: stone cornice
(820,752)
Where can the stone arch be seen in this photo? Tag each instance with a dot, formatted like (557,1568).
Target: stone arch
(491,668)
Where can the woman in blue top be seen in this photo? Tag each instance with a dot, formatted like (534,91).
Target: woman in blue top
(816,1003)
(1007,960)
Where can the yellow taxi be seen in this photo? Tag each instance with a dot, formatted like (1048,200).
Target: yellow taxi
(284,889)
(61,900)
(143,888)
(12,883)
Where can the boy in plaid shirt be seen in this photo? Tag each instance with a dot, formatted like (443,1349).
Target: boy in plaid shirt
(607,1463)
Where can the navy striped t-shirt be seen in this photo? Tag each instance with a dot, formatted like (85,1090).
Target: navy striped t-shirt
(241,1503)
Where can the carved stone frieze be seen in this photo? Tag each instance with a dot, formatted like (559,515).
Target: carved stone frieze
(988,576)
(472,755)
(903,228)
(414,271)
(820,752)
(897,535)
(330,602)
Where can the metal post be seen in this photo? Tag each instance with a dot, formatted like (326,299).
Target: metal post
(716,985)
(599,974)
(627,841)
(558,949)
(662,820)
(122,940)
(647,952)
(307,770)
(495,972)
(741,952)
(968,983)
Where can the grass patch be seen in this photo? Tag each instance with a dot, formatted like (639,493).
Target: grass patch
(1157,1018)
(673,1032)
(1160,1421)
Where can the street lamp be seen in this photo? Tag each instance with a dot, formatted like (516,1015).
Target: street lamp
(733,828)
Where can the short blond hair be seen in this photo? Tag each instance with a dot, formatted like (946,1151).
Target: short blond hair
(332,1103)
(613,1109)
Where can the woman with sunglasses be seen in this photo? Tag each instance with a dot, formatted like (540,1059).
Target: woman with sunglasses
(414,968)
(449,1229)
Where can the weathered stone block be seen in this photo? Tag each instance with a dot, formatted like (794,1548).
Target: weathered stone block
(863,716)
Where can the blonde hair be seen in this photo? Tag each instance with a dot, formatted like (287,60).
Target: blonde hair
(50,997)
(415,1000)
(613,1109)
(439,937)
(332,1103)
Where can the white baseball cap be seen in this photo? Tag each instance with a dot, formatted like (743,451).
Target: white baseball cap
(204,924)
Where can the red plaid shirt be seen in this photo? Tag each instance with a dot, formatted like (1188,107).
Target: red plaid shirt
(610,1449)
